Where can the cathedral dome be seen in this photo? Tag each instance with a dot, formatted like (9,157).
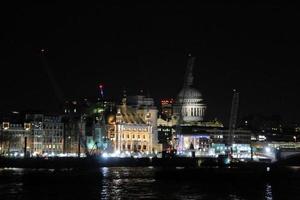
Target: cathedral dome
(189,93)
(189,106)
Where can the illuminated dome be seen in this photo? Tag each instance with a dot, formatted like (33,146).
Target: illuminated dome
(189,94)
(189,107)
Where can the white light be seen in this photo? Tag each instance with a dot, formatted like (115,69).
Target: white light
(105,155)
(227,161)
(267,149)
(262,138)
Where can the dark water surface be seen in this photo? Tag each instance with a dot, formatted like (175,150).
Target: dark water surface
(133,183)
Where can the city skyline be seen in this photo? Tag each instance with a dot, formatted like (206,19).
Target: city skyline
(149,100)
(109,44)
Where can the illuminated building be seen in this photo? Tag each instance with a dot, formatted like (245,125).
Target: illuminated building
(130,130)
(12,139)
(53,135)
(166,106)
(144,106)
(166,130)
(47,134)
(189,106)
(189,111)
(192,133)
(74,125)
(36,121)
(98,116)
(40,135)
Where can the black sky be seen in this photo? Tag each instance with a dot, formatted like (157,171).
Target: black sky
(251,47)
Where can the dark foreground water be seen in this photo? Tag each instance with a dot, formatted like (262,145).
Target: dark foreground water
(133,183)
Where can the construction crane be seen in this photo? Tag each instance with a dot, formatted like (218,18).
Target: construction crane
(188,81)
(51,78)
(233,119)
(82,137)
(101,91)
(98,145)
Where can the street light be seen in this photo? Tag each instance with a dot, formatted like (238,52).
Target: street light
(295,138)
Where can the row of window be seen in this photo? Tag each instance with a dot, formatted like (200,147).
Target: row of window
(53,146)
(195,112)
(135,147)
(52,127)
(135,129)
(49,134)
(53,140)
(134,136)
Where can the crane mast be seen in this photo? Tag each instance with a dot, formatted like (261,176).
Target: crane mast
(233,117)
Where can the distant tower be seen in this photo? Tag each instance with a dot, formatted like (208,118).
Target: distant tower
(124,98)
(101,91)
(119,116)
(233,117)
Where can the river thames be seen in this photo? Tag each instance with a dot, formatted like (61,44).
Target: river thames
(132,183)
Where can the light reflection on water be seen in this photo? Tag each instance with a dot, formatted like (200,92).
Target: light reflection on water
(269,195)
(130,183)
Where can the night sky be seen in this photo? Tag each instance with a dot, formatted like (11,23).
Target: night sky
(253,48)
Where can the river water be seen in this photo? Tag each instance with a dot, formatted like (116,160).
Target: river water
(132,183)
